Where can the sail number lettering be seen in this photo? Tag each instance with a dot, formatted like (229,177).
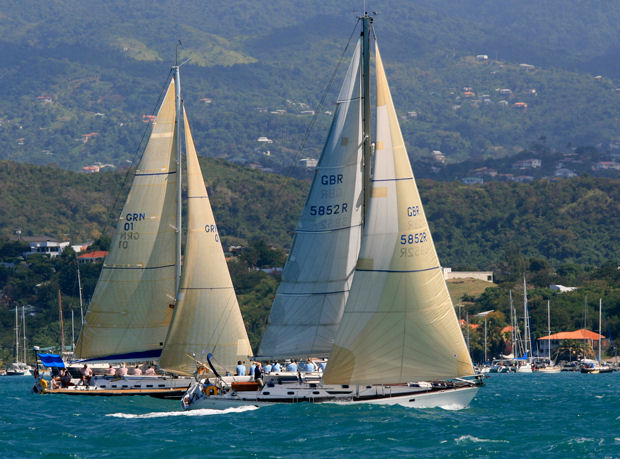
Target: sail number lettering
(415,238)
(334,179)
(333,209)
(413,211)
(212,229)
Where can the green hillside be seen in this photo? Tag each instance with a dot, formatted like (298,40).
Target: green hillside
(72,68)
(566,221)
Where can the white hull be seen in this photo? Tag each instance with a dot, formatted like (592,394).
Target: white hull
(18,369)
(423,395)
(156,386)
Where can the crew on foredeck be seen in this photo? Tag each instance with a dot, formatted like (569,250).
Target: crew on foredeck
(240,369)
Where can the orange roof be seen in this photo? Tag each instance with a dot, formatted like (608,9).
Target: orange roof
(95,254)
(582,334)
(473,326)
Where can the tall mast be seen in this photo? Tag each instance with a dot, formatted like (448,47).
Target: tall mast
(16,334)
(549,329)
(366,22)
(62,325)
(24,330)
(177,81)
(600,310)
(526,320)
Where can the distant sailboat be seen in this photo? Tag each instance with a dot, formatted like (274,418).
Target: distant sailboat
(146,305)
(19,367)
(362,283)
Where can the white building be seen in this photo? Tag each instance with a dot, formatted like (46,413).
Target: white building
(486,276)
(46,245)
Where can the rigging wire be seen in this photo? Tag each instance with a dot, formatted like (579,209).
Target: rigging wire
(328,87)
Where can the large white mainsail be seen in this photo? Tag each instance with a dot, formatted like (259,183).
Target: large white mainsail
(319,270)
(399,324)
(130,312)
(207,316)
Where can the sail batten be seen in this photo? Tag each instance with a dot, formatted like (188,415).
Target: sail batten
(399,324)
(310,299)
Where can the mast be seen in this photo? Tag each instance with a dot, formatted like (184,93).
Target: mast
(549,329)
(62,325)
(80,294)
(24,330)
(513,344)
(526,320)
(177,81)
(600,309)
(16,334)
(366,22)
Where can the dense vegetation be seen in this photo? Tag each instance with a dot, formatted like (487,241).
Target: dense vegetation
(99,67)
(564,231)
(566,221)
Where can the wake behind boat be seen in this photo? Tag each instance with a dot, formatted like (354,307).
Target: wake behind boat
(362,284)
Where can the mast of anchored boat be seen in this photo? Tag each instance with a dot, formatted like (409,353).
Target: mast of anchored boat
(366,23)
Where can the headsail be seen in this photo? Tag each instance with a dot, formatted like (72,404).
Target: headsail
(130,312)
(319,271)
(399,324)
(207,316)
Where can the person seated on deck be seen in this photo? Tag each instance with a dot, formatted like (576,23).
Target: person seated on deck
(292,367)
(275,368)
(111,371)
(267,368)
(122,371)
(65,378)
(136,371)
(87,374)
(150,371)
(240,369)
(322,366)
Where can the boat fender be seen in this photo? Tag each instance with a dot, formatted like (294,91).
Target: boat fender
(210,390)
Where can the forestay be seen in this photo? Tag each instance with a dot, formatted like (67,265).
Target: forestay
(399,324)
(318,273)
(207,316)
(130,312)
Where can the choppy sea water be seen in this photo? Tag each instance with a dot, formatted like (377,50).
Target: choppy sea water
(562,415)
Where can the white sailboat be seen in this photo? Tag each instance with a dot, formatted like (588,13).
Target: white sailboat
(146,305)
(19,367)
(362,284)
(550,367)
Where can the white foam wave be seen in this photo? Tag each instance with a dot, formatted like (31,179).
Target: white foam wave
(472,439)
(453,407)
(165,414)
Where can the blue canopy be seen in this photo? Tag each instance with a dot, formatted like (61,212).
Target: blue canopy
(51,360)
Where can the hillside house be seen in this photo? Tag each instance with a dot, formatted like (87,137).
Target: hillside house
(448,274)
(532,163)
(92,257)
(45,245)
(309,163)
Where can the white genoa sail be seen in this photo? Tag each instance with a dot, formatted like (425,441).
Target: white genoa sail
(399,324)
(207,316)
(130,312)
(318,273)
